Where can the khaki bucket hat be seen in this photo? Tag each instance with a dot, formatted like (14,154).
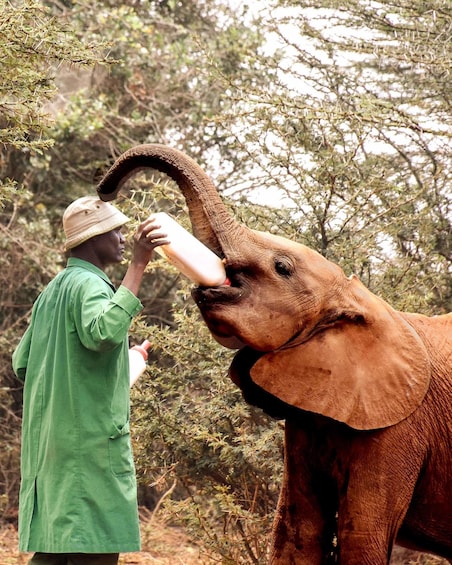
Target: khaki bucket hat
(89,216)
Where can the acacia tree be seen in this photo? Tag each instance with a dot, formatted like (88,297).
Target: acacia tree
(33,41)
(315,101)
(355,133)
(156,89)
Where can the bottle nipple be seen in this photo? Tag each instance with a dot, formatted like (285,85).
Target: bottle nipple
(143,348)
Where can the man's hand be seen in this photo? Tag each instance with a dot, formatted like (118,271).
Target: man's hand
(145,240)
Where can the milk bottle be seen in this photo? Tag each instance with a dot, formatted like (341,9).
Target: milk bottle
(191,257)
(138,355)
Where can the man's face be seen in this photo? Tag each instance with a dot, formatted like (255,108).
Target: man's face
(109,247)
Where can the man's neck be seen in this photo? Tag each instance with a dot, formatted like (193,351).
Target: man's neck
(87,254)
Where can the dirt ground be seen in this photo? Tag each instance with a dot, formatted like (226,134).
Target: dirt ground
(162,545)
(166,545)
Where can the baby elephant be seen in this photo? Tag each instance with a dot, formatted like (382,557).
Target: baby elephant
(366,391)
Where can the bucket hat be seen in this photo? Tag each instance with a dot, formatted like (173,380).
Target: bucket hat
(89,216)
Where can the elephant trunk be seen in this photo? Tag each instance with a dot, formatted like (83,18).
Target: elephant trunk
(211,222)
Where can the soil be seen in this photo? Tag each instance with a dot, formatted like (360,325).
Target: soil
(168,545)
(162,545)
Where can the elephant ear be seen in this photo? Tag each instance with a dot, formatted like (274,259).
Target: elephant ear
(368,374)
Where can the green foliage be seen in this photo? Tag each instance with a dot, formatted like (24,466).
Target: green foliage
(345,136)
(35,43)
(194,434)
(334,118)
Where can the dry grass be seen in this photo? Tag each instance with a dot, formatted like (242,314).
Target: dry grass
(401,556)
(162,545)
(168,545)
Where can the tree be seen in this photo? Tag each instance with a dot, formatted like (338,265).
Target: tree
(334,119)
(157,90)
(36,44)
(355,133)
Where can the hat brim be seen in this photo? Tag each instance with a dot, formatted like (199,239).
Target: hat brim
(104,226)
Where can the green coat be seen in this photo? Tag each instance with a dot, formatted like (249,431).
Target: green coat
(78,487)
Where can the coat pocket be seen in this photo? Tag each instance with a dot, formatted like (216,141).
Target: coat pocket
(120,451)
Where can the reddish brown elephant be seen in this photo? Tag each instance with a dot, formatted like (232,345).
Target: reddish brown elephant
(366,391)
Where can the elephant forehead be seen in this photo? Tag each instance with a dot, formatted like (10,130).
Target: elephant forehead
(312,262)
(277,243)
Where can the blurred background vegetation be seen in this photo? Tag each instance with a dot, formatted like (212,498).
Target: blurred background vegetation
(326,122)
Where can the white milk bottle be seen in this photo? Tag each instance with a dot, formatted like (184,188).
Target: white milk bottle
(138,355)
(191,257)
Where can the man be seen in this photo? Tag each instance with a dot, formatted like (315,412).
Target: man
(78,501)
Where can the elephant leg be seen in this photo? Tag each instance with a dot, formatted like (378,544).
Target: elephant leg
(364,540)
(374,503)
(301,536)
(305,520)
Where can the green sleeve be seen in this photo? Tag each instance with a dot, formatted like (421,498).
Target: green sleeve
(103,319)
(20,355)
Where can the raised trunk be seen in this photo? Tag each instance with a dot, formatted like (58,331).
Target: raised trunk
(211,222)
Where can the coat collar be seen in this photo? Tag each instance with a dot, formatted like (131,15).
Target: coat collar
(76,262)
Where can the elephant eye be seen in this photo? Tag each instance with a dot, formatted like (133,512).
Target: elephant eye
(283,266)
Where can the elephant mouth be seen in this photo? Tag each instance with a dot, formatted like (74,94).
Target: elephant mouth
(208,298)
(218,307)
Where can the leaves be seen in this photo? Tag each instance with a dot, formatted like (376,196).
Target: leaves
(41,42)
(326,122)
(345,135)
